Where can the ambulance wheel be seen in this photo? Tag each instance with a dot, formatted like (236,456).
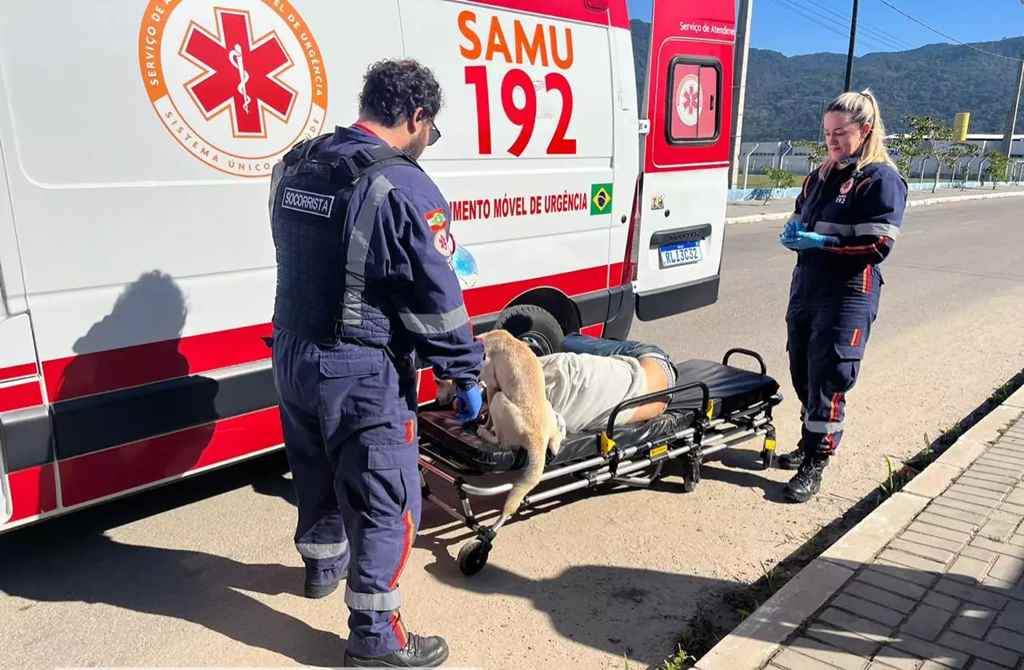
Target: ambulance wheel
(473,557)
(533,325)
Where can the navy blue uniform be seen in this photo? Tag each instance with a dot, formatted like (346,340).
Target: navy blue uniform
(835,291)
(364,287)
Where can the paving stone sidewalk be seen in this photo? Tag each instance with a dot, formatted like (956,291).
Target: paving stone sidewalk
(946,593)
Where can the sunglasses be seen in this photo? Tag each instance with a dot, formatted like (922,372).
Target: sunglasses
(435,135)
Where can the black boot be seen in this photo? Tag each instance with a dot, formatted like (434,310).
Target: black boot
(791,461)
(807,481)
(419,652)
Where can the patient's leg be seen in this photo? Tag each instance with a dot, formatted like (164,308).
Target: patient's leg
(656,380)
(599,346)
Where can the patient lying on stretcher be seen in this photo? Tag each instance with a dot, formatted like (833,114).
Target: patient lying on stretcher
(591,376)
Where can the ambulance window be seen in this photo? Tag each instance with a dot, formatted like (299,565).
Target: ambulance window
(695,90)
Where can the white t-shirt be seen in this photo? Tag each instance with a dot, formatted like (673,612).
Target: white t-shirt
(583,389)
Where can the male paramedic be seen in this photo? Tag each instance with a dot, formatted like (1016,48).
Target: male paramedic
(363,286)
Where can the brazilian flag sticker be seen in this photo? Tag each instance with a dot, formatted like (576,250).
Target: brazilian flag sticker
(600,199)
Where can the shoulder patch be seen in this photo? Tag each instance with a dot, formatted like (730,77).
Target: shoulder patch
(436,219)
(444,243)
(307,202)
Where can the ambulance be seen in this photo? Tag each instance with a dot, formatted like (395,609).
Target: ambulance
(136,142)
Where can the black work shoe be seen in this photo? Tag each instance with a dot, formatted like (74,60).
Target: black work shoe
(792,460)
(322,583)
(807,481)
(419,652)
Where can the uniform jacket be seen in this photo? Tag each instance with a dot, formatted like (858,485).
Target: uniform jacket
(373,272)
(861,209)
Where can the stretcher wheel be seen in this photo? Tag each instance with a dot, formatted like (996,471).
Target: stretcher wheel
(691,472)
(473,557)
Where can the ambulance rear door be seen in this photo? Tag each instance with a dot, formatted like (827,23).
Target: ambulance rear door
(27,478)
(679,215)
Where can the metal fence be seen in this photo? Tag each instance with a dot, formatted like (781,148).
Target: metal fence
(757,157)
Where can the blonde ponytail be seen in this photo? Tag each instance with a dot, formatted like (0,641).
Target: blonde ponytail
(863,109)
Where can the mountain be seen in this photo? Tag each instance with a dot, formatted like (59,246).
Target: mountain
(785,95)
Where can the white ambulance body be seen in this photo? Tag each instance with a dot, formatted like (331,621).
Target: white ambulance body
(136,140)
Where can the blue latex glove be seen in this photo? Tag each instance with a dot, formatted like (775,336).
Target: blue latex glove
(468,403)
(789,232)
(805,240)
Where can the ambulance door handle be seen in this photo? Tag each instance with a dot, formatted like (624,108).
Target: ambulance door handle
(676,235)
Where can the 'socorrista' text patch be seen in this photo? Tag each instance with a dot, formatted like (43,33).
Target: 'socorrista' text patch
(307,202)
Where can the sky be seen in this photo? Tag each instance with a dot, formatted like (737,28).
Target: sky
(812,26)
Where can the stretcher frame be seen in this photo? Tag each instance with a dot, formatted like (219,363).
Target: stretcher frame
(636,465)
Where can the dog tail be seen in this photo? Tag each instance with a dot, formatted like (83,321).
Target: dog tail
(536,460)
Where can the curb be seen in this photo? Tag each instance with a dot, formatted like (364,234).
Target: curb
(754,641)
(778,216)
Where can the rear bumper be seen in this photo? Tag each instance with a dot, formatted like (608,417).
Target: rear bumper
(677,299)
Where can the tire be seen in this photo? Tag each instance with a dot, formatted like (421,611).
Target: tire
(535,326)
(473,557)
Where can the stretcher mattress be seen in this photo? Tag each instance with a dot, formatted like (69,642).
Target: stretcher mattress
(732,390)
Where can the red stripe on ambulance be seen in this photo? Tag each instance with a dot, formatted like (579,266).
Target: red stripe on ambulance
(20,396)
(118,469)
(15,371)
(33,491)
(143,364)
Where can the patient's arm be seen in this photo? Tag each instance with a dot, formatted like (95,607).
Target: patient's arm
(656,381)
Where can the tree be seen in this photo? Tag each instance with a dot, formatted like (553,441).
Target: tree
(777,179)
(816,152)
(998,166)
(918,143)
(950,157)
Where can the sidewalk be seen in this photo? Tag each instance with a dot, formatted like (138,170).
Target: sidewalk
(753,211)
(933,579)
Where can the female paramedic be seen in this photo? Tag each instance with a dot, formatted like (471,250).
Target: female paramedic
(846,220)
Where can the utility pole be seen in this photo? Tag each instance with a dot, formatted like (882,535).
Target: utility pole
(1011,123)
(739,86)
(853,43)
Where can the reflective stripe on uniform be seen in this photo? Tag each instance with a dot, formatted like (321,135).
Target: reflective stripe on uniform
(857,229)
(318,550)
(374,602)
(434,324)
(359,248)
(823,427)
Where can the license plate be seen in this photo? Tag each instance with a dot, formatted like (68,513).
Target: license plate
(680,253)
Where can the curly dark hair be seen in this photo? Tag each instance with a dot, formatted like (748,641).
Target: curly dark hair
(394,89)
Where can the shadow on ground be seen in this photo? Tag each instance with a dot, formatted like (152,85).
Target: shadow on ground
(72,559)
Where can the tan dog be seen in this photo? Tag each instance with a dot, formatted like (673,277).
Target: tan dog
(520,414)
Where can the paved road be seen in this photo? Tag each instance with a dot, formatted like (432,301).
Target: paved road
(202,573)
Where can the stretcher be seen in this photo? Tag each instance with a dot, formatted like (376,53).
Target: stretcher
(713,406)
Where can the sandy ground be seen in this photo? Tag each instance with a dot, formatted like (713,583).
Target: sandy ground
(203,573)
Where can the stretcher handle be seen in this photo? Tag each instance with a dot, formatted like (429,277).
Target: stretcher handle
(705,401)
(746,352)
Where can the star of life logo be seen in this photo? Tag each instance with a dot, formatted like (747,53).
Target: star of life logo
(237,84)
(688,100)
